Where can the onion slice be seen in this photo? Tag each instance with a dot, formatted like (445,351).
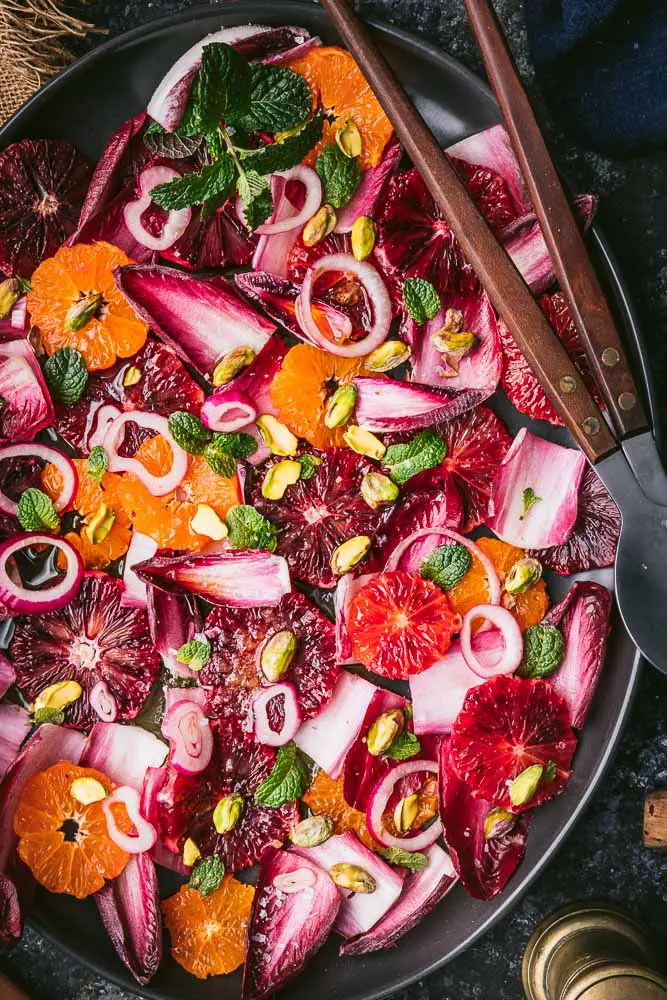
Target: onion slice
(377,294)
(507,624)
(177,220)
(103,702)
(45,453)
(313,185)
(377,806)
(146,834)
(18,598)
(264,733)
(189,733)
(493,581)
(157,486)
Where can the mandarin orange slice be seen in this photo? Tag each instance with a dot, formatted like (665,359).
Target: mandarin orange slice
(325,798)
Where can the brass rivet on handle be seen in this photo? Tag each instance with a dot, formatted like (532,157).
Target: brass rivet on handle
(626,400)
(568,384)
(610,357)
(591,426)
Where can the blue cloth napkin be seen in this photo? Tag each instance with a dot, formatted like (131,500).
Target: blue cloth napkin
(601,67)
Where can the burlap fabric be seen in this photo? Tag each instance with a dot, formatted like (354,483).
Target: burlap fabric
(32,37)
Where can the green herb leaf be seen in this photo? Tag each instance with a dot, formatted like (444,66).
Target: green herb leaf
(207,876)
(55,716)
(249,530)
(286,154)
(447,565)
(287,782)
(214,180)
(97,464)
(222,87)
(66,375)
(425,451)
(221,461)
(36,511)
(255,193)
(280,99)
(340,175)
(405,745)
(195,653)
(224,449)
(309,466)
(421,299)
(171,145)
(189,432)
(543,651)
(550,771)
(529,501)
(413,860)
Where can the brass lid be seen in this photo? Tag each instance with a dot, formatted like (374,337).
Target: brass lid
(619,982)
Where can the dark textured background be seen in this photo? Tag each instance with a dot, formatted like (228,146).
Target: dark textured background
(604,858)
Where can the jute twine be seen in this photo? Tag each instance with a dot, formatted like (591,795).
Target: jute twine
(31,48)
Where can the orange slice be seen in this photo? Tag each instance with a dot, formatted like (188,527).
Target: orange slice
(325,798)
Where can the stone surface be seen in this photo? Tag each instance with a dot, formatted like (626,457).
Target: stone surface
(604,858)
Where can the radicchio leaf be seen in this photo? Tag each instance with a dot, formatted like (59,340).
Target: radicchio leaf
(130,910)
(15,725)
(27,405)
(362,770)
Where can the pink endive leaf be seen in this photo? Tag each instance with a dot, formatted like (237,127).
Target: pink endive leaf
(492,149)
(251,387)
(386,405)
(130,910)
(371,188)
(328,737)
(27,405)
(240,579)
(15,724)
(111,167)
(7,675)
(123,753)
(173,620)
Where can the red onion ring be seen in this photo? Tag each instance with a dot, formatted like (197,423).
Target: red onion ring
(18,598)
(377,806)
(177,220)
(65,467)
(187,728)
(263,731)
(100,419)
(505,621)
(157,486)
(145,837)
(313,185)
(103,702)
(374,287)
(492,577)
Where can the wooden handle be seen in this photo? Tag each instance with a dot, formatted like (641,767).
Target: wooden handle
(8,991)
(655,819)
(503,283)
(567,248)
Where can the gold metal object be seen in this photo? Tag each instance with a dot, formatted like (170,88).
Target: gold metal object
(627,400)
(568,384)
(591,951)
(610,357)
(591,426)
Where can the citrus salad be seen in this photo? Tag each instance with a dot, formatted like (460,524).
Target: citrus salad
(272,569)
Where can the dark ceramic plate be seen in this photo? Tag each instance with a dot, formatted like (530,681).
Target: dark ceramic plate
(85,105)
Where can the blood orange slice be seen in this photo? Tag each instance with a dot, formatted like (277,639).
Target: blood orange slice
(507,725)
(400,624)
(476,445)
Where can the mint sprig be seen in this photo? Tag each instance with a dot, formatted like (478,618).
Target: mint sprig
(446,565)
(255,193)
(287,782)
(340,175)
(248,529)
(207,876)
(421,299)
(405,746)
(215,180)
(66,375)
(224,449)
(36,511)
(189,432)
(222,87)
(97,464)
(309,466)
(425,451)
(280,99)
(543,651)
(285,154)
(195,653)
(172,145)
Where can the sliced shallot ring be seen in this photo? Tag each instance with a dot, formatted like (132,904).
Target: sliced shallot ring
(45,453)
(377,806)
(292,715)
(177,220)
(394,559)
(376,291)
(507,624)
(100,420)
(313,185)
(157,486)
(145,837)
(103,702)
(187,728)
(21,600)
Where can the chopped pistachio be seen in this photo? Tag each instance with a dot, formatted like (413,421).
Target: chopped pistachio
(228,812)
(384,731)
(191,853)
(525,573)
(100,524)
(406,813)
(524,786)
(10,293)
(208,523)
(363,236)
(234,362)
(498,822)
(340,406)
(377,489)
(353,877)
(58,695)
(387,356)
(349,554)
(277,437)
(348,139)
(87,790)
(83,310)
(319,226)
(313,831)
(277,654)
(279,477)
(458,344)
(132,376)
(364,442)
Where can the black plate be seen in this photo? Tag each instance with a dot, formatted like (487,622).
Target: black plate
(85,105)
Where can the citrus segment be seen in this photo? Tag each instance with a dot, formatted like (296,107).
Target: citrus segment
(65,843)
(325,798)
(528,608)
(340,88)
(208,933)
(61,284)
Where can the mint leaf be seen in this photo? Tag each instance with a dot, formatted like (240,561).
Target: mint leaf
(283,155)
(287,782)
(309,466)
(447,565)
(421,299)
(222,87)
(405,745)
(249,530)
(66,375)
(425,451)
(171,145)
(213,180)
(550,771)
(340,175)
(255,193)
(529,500)
(413,860)
(189,432)
(36,511)
(195,653)
(97,464)
(280,99)
(543,651)
(221,461)
(224,449)
(207,876)
(56,716)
